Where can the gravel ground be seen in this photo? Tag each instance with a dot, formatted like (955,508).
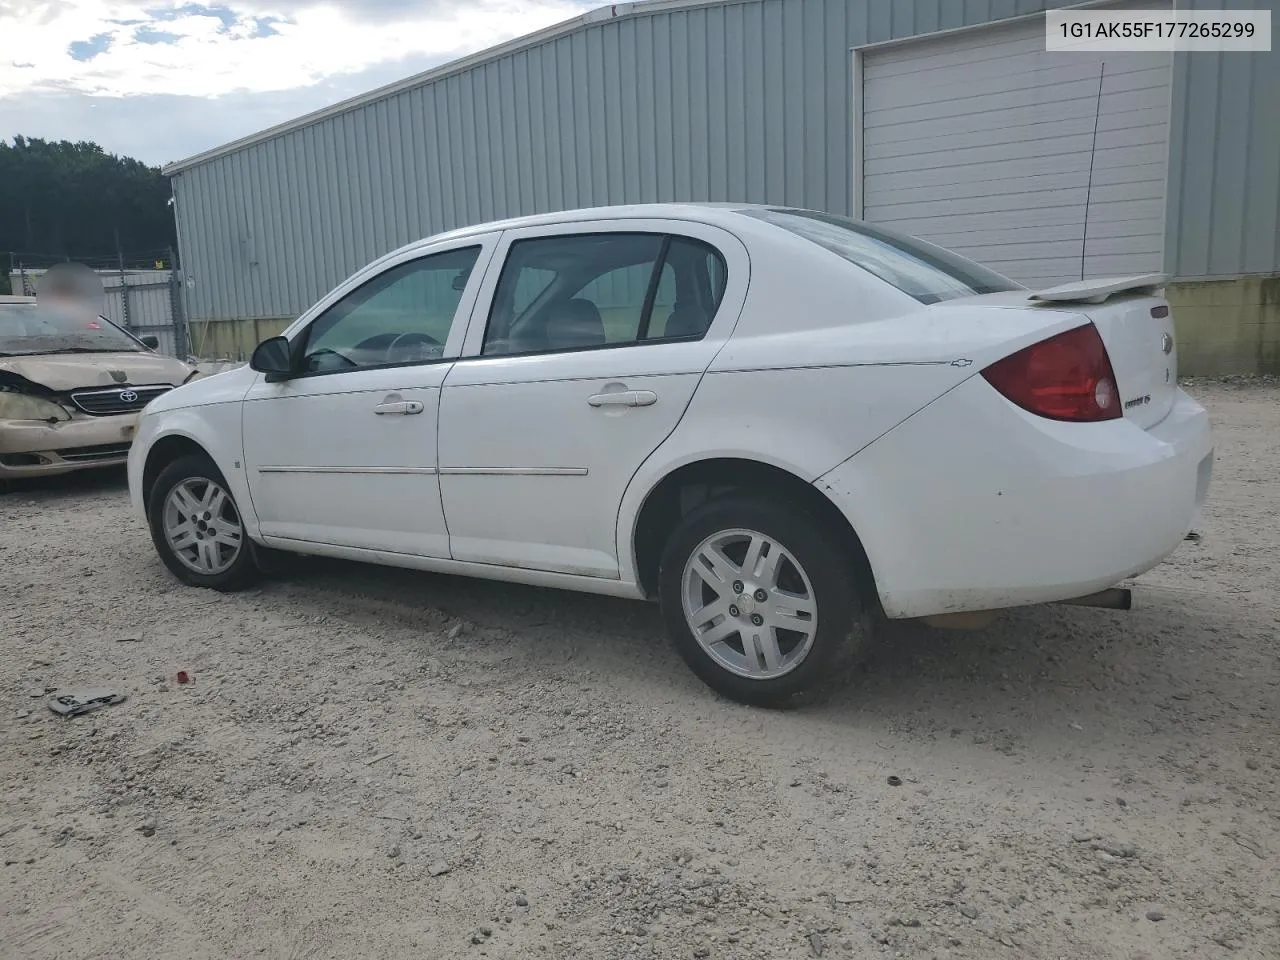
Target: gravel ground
(379,763)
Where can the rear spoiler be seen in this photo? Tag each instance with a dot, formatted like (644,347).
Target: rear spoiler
(1097,291)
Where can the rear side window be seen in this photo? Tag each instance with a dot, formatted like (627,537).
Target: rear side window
(921,270)
(599,290)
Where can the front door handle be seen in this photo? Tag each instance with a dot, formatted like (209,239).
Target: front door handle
(402,408)
(624,398)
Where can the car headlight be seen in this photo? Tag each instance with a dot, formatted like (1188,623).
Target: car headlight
(20,406)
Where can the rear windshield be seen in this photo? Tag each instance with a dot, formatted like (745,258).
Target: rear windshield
(921,270)
(31,329)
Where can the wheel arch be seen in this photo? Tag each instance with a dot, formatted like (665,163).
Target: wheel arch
(163,452)
(690,484)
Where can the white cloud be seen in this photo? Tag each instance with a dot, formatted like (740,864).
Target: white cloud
(219,48)
(157,128)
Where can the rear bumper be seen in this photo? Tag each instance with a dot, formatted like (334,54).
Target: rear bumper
(33,448)
(974,504)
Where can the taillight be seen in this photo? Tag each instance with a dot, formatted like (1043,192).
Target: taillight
(1067,377)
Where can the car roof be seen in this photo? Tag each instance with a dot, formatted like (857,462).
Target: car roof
(708,212)
(723,214)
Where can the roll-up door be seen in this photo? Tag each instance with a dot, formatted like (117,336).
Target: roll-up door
(1044,166)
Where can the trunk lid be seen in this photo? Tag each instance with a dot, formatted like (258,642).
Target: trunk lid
(1136,326)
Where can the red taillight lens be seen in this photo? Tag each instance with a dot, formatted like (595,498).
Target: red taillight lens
(1067,377)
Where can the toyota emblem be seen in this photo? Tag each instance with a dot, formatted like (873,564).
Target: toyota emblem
(1166,344)
(128,396)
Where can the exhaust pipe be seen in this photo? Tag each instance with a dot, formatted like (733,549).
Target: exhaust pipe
(1115,598)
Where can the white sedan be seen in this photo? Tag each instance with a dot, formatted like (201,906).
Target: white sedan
(780,424)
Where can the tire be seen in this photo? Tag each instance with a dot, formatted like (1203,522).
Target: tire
(814,572)
(218,554)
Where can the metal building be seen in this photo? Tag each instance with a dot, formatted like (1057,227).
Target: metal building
(946,118)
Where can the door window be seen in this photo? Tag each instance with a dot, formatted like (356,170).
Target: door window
(401,316)
(591,291)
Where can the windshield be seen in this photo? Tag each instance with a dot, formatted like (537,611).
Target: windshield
(34,328)
(921,270)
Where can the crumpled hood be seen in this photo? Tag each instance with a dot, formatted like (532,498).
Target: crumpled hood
(72,371)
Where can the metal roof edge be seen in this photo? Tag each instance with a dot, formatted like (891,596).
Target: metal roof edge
(615,11)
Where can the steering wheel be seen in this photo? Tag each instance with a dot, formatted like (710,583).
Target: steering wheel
(413,338)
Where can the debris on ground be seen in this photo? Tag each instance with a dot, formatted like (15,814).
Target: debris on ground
(84,701)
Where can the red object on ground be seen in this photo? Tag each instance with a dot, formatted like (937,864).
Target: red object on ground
(184,677)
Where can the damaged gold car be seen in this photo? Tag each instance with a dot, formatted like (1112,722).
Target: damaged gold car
(71,386)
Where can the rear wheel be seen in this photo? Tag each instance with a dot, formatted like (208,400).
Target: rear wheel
(196,526)
(762,601)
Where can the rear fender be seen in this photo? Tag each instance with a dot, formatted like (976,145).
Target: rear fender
(808,401)
(801,420)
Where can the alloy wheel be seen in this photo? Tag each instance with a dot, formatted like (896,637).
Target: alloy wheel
(202,526)
(749,604)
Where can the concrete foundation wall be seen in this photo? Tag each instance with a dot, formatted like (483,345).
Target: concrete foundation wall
(233,339)
(1227,327)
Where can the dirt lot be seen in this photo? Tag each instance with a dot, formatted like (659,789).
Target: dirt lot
(377,763)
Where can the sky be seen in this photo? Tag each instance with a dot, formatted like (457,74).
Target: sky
(161,80)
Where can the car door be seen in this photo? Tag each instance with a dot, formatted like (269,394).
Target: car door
(344,451)
(585,348)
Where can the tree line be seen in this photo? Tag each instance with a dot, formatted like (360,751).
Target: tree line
(63,200)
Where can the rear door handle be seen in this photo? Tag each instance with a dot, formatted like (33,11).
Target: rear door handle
(402,408)
(624,398)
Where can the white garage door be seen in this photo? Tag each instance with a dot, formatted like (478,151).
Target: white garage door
(1041,165)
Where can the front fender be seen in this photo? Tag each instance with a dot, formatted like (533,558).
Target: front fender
(216,429)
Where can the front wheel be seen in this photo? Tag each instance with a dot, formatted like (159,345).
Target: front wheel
(762,601)
(196,526)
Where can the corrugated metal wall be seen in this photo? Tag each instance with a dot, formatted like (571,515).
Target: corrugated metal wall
(740,100)
(148,292)
(743,100)
(1223,215)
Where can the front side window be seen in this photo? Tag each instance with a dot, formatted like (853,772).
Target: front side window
(921,270)
(31,329)
(401,316)
(590,291)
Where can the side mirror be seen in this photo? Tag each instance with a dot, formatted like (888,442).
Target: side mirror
(274,358)
(150,342)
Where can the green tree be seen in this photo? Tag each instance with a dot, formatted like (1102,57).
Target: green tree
(62,199)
